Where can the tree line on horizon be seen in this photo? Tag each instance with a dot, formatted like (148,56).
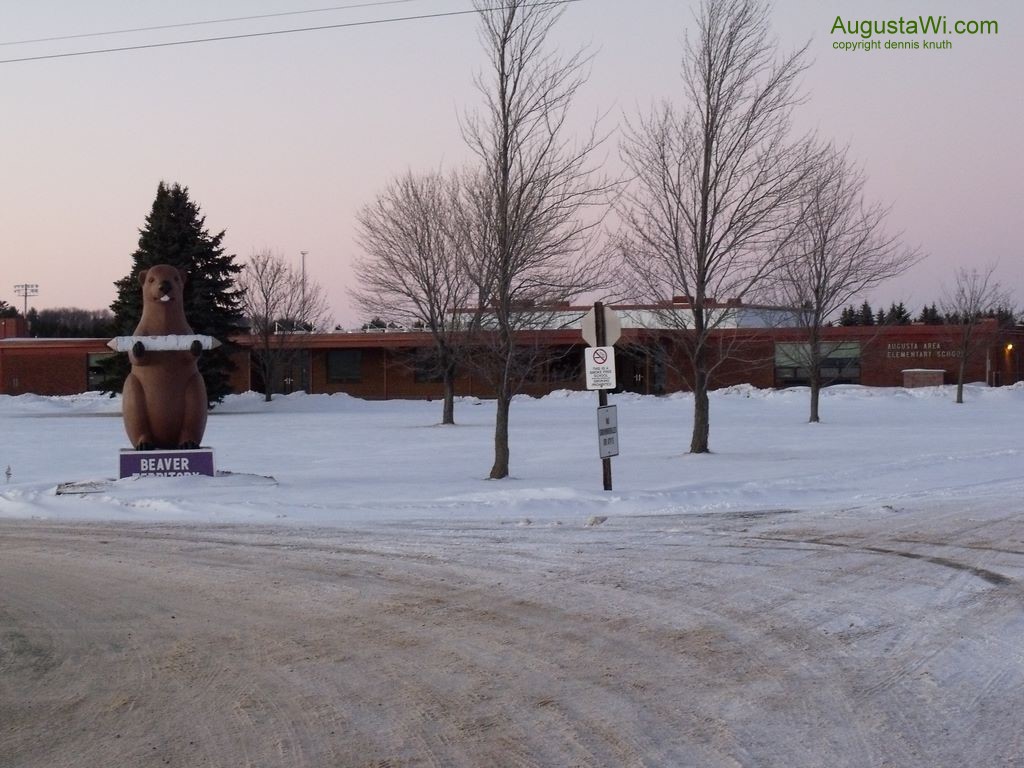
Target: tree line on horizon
(930,314)
(75,322)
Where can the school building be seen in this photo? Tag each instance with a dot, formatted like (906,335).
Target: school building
(755,347)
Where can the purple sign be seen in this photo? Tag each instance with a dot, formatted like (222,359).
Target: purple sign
(198,461)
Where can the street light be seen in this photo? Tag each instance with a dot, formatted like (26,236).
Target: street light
(303,307)
(304,369)
(25,290)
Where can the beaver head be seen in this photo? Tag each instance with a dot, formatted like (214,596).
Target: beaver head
(162,284)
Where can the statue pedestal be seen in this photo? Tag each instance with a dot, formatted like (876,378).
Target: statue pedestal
(167,463)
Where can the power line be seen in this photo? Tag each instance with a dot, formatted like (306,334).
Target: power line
(201,23)
(270,33)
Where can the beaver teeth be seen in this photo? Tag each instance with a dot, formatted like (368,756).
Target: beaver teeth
(165,297)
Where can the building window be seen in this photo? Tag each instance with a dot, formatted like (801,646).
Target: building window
(345,365)
(840,363)
(427,372)
(566,367)
(424,366)
(94,374)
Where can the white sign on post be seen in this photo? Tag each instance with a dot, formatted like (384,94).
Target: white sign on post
(599,363)
(612,328)
(607,431)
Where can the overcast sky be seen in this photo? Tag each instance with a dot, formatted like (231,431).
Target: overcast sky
(281,139)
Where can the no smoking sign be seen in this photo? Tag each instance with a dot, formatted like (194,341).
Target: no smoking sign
(599,363)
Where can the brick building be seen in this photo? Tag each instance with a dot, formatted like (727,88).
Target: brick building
(63,366)
(395,364)
(390,364)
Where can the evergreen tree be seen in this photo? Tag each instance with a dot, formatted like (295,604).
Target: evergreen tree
(174,234)
(897,315)
(867,315)
(6,310)
(880,317)
(1005,316)
(928,315)
(848,317)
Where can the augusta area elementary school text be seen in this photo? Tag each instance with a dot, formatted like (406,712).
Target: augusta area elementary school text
(389,364)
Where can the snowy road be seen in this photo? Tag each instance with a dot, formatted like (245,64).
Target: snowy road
(880,637)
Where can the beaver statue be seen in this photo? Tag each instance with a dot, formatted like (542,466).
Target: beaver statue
(164,402)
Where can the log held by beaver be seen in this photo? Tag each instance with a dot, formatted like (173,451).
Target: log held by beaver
(163,343)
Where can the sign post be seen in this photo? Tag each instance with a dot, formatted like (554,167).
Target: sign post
(601,330)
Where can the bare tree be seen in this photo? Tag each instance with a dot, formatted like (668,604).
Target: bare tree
(532,210)
(974,295)
(278,302)
(838,248)
(71,322)
(414,267)
(715,183)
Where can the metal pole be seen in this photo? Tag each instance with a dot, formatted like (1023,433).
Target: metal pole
(602,394)
(306,377)
(302,310)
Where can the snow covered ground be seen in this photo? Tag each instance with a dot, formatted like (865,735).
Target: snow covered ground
(844,594)
(338,460)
